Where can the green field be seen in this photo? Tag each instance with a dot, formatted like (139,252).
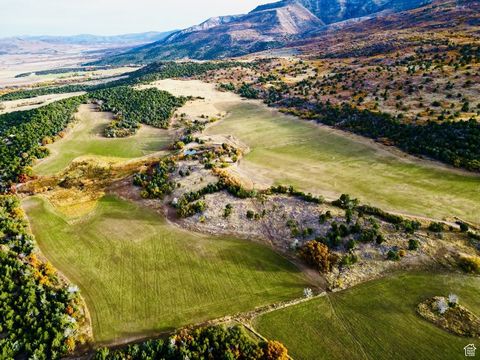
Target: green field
(375,320)
(86,139)
(140,275)
(315,159)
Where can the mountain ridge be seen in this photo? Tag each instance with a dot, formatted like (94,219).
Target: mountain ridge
(266,27)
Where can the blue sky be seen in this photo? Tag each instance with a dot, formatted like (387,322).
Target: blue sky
(108,17)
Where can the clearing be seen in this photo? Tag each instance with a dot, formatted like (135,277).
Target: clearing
(375,320)
(325,161)
(141,276)
(321,160)
(85,139)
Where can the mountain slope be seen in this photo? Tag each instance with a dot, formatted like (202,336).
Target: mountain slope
(267,26)
(436,24)
(332,11)
(230,35)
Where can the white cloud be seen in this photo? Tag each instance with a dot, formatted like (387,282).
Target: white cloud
(67,17)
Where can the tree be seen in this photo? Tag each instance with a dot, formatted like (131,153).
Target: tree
(318,255)
(275,350)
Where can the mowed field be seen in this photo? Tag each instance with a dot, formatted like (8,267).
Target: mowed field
(141,276)
(375,320)
(286,150)
(85,140)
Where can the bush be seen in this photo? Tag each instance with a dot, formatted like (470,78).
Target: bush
(413,244)
(436,227)
(470,264)
(228,210)
(349,259)
(393,255)
(463,227)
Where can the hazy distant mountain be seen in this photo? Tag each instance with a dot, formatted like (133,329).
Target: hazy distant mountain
(53,44)
(267,26)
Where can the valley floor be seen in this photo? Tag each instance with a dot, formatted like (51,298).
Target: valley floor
(85,140)
(375,320)
(141,276)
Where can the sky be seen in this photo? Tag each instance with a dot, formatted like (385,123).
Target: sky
(110,17)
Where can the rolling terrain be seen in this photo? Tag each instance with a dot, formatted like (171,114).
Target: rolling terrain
(374,320)
(313,195)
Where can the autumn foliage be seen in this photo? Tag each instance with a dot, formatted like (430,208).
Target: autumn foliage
(275,350)
(318,255)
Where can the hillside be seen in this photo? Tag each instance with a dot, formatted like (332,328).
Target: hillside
(333,11)
(267,26)
(228,36)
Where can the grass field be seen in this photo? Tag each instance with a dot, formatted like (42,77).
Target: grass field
(376,320)
(316,159)
(85,139)
(140,275)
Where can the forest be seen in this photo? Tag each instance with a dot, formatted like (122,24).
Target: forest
(132,107)
(23,133)
(38,314)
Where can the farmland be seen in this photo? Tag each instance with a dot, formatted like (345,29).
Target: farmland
(313,158)
(376,320)
(86,139)
(141,276)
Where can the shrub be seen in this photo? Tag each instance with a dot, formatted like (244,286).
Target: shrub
(228,210)
(470,264)
(250,214)
(436,227)
(413,244)
(324,217)
(393,255)
(463,227)
(380,239)
(349,259)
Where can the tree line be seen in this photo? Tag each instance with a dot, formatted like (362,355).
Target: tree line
(23,132)
(212,342)
(38,314)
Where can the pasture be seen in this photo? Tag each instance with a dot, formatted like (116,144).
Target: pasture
(85,139)
(141,276)
(285,150)
(375,320)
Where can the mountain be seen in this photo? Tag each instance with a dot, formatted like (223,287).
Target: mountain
(53,44)
(228,36)
(333,11)
(268,26)
(452,22)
